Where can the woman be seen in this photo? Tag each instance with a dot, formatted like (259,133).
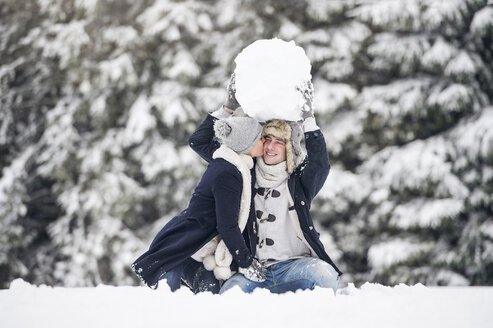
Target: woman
(210,229)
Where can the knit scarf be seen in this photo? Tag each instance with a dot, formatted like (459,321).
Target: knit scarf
(270,176)
(215,255)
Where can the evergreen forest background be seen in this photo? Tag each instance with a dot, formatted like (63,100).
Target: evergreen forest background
(98,98)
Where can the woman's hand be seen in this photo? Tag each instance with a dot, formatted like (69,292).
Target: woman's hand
(255,272)
(231,102)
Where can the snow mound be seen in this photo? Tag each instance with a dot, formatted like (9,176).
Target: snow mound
(267,74)
(369,306)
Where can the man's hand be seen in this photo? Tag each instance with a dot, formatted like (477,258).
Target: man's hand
(306,90)
(255,272)
(231,103)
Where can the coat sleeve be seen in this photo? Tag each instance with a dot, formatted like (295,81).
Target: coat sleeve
(316,167)
(202,139)
(227,194)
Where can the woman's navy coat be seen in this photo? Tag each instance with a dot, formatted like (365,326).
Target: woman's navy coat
(213,209)
(304,183)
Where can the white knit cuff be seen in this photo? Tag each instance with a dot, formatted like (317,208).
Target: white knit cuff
(310,125)
(221,113)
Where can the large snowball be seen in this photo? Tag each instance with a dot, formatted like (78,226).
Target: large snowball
(267,73)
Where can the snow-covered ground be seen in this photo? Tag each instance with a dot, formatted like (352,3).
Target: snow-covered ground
(371,305)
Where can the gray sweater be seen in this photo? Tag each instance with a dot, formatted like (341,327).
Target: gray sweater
(278,239)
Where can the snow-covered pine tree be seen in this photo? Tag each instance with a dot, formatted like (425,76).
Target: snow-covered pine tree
(28,88)
(101,154)
(410,194)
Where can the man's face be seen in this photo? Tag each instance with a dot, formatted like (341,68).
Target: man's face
(274,150)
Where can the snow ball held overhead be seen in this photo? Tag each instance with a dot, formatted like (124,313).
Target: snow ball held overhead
(267,74)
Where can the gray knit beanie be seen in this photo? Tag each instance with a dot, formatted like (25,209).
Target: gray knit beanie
(238,133)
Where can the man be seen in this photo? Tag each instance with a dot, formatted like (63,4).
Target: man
(281,235)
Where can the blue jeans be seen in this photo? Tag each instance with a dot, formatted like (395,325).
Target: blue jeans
(193,275)
(290,275)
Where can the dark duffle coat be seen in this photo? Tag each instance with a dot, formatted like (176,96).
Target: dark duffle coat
(213,210)
(304,183)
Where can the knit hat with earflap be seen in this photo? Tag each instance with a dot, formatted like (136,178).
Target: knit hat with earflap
(292,133)
(238,133)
